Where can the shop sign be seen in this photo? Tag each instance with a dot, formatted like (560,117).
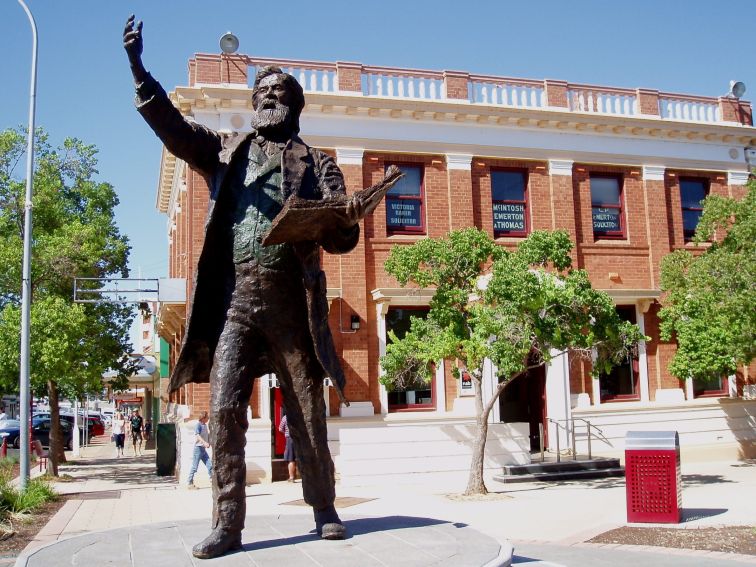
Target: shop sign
(606,220)
(403,213)
(509,217)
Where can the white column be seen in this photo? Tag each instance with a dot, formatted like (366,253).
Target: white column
(689,395)
(732,386)
(349,156)
(381,308)
(737,177)
(459,161)
(560,167)
(596,384)
(653,172)
(596,391)
(558,397)
(265,382)
(440,385)
(642,359)
(489,383)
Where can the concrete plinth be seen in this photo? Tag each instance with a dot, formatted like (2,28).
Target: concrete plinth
(282,540)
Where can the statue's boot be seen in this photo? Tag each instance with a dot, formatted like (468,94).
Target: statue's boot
(219,541)
(328,524)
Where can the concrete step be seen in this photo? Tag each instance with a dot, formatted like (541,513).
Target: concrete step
(565,465)
(554,476)
(562,470)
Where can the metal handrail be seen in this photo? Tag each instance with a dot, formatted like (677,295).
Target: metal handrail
(571,432)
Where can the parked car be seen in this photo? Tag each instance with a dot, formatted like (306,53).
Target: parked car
(40,430)
(96,426)
(11,428)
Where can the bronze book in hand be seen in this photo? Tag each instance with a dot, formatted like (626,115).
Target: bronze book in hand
(305,219)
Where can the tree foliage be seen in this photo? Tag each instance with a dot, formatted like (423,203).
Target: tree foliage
(710,296)
(514,308)
(74,235)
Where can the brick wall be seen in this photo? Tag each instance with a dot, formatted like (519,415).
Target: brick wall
(455,198)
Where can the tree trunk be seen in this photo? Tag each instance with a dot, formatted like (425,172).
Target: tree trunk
(56,439)
(475,482)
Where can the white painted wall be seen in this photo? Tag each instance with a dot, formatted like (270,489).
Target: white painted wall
(718,428)
(417,452)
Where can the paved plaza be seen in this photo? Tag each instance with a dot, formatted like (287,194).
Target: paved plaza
(120,513)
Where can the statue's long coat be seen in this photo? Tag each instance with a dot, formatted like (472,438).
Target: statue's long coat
(307,173)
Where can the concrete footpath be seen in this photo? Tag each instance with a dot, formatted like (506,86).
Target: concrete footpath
(121,504)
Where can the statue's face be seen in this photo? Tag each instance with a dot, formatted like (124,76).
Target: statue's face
(272,103)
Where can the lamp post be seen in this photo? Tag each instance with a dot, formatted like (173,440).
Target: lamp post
(24,385)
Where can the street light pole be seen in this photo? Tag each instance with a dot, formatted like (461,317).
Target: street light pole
(24,382)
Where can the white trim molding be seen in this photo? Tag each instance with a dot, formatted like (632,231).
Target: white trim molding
(403,296)
(737,177)
(459,161)
(560,167)
(349,156)
(644,297)
(653,172)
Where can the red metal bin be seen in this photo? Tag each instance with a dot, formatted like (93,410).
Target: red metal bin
(652,477)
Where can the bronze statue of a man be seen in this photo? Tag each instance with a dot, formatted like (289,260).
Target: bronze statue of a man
(256,309)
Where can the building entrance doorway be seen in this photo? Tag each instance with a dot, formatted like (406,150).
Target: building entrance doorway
(524,400)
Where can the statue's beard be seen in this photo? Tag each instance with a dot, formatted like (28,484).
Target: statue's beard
(277,119)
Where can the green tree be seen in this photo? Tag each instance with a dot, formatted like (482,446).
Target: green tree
(510,307)
(74,235)
(710,296)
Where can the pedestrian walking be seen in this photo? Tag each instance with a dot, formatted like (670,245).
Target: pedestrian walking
(289,455)
(201,445)
(135,426)
(119,432)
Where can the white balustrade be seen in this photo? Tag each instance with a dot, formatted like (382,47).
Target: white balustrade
(403,86)
(508,94)
(689,110)
(424,85)
(602,102)
(312,79)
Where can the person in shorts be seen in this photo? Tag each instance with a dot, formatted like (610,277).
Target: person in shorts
(136,423)
(119,432)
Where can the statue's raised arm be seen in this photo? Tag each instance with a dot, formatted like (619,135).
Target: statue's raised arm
(195,144)
(134,45)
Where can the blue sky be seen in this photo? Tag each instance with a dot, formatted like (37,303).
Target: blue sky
(85,89)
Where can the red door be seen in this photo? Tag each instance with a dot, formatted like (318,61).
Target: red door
(279,441)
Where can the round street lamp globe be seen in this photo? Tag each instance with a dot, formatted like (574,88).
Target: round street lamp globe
(229,43)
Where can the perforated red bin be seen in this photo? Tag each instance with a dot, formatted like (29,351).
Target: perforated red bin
(652,477)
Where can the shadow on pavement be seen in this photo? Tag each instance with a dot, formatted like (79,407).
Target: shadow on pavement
(692,514)
(704,479)
(357,527)
(124,471)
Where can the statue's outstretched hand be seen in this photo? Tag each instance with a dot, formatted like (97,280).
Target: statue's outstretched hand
(355,211)
(133,44)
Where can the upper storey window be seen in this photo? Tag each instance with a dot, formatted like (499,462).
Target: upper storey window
(692,192)
(510,204)
(606,207)
(404,203)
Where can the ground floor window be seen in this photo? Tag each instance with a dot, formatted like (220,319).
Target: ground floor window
(717,387)
(621,384)
(415,396)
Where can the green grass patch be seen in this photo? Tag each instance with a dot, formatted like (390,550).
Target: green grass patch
(13,500)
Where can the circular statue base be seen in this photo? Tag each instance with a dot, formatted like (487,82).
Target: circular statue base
(282,540)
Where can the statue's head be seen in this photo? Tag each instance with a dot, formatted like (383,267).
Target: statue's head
(278,100)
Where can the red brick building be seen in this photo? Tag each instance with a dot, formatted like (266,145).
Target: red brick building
(622,170)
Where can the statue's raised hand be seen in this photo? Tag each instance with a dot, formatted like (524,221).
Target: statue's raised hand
(132,43)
